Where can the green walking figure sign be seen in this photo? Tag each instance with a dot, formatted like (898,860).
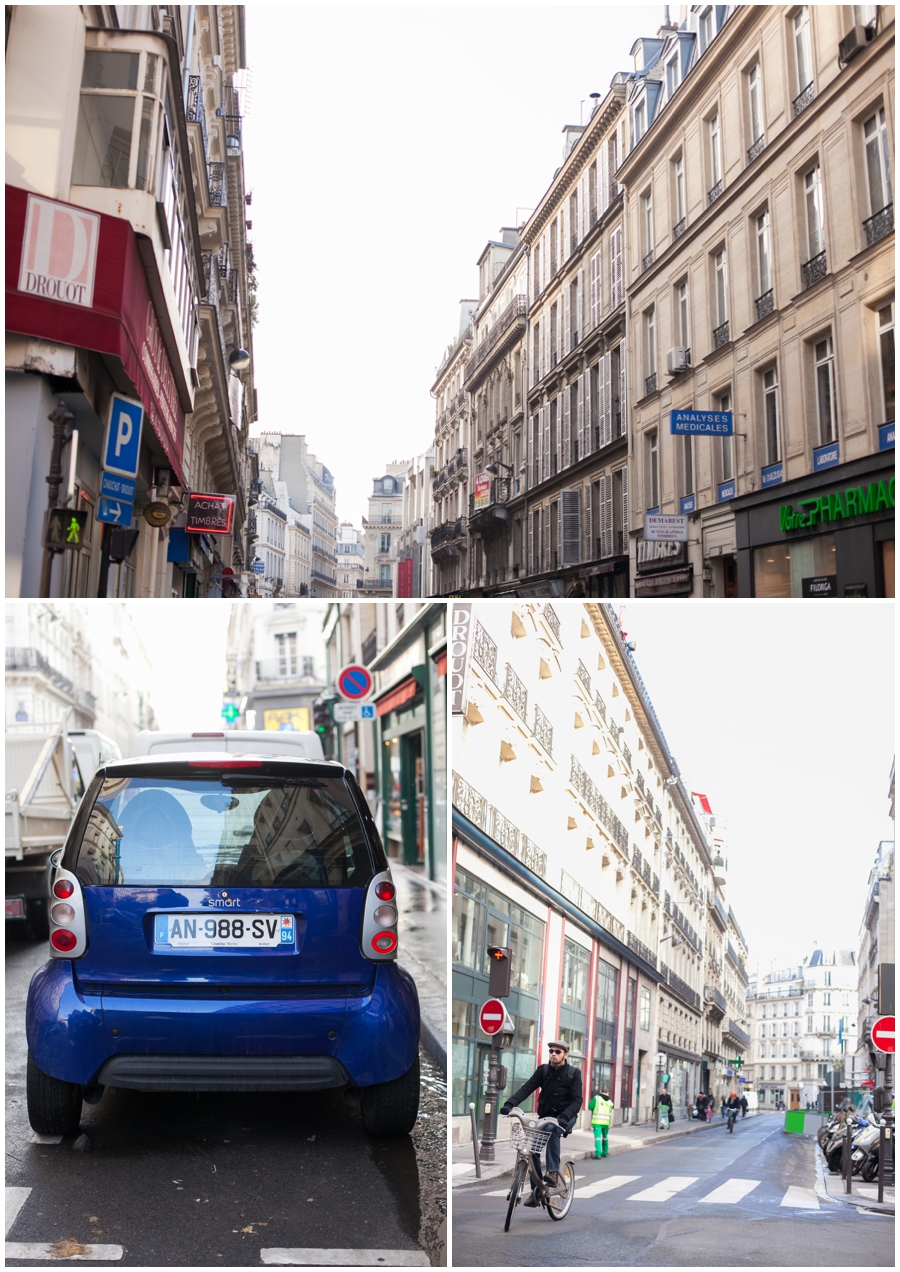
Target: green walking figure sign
(65,529)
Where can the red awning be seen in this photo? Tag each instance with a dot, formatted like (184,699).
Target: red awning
(397,696)
(441,663)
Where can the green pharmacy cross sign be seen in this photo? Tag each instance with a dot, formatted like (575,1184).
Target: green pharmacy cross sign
(230,712)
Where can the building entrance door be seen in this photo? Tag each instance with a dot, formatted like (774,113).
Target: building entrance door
(794,1101)
(412,799)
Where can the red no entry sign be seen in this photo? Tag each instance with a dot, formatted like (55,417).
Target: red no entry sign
(354,682)
(884,1033)
(492,1016)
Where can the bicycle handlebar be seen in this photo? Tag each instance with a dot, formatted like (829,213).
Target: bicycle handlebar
(539,1124)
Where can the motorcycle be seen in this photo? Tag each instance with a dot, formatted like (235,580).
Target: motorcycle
(861,1138)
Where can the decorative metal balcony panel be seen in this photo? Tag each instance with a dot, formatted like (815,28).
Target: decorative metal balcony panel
(803,99)
(814,270)
(650,384)
(648,260)
(756,149)
(583,675)
(880,225)
(765,304)
(721,335)
(485,651)
(679,229)
(515,692)
(549,613)
(218,195)
(543,730)
(714,193)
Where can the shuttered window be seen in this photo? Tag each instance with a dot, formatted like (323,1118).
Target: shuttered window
(606,516)
(596,298)
(617,294)
(570,529)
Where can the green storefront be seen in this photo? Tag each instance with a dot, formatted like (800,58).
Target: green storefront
(411,742)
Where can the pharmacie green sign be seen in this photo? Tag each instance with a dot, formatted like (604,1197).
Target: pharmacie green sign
(852,502)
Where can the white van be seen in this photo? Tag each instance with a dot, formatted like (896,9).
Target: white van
(246,741)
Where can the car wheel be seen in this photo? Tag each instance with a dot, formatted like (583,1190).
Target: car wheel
(391,1108)
(54,1107)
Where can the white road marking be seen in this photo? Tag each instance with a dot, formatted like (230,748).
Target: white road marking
(15,1200)
(666,1189)
(46,1139)
(731,1191)
(604,1185)
(460,1168)
(801,1198)
(310,1258)
(58,1252)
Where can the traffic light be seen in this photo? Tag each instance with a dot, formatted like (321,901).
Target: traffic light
(65,528)
(500,970)
(230,712)
(321,717)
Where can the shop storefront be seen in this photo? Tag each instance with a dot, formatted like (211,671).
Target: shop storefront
(830,534)
(662,569)
(410,704)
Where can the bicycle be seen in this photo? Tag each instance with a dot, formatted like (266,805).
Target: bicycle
(529,1135)
(732,1118)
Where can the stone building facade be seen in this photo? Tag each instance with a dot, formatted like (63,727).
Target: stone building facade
(449,543)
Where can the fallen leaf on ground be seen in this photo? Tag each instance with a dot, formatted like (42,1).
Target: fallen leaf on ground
(68,1247)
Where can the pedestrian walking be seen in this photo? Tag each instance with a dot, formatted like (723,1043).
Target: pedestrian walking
(744,1106)
(664,1105)
(724,1106)
(702,1105)
(561,1097)
(601,1106)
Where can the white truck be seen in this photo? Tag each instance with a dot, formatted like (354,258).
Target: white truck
(46,775)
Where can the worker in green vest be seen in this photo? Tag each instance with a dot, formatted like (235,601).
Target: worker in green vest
(601,1107)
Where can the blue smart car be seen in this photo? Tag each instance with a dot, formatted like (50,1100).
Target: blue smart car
(223,923)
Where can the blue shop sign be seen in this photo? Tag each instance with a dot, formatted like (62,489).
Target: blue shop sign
(689,503)
(772,476)
(702,423)
(258,567)
(726,490)
(826,456)
(886,436)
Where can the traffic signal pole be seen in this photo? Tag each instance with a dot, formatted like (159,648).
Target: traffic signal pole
(499,981)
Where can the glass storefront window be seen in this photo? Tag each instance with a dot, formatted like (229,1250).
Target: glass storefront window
(574,976)
(780,568)
(465,944)
(528,951)
(607,984)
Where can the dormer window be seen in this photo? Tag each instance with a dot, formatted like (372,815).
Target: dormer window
(640,121)
(706,28)
(672,76)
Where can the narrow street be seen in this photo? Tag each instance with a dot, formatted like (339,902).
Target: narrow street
(696,1201)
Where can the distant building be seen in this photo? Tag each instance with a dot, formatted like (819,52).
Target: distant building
(877,943)
(450,480)
(381,529)
(413,555)
(310,492)
(276,664)
(350,559)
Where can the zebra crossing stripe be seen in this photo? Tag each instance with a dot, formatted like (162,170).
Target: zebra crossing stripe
(731,1191)
(15,1200)
(301,1257)
(604,1185)
(666,1189)
(64,1251)
(801,1198)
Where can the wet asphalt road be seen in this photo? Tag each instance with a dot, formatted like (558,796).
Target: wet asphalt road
(211,1180)
(611,1229)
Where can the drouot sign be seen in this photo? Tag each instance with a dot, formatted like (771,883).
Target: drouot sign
(855,501)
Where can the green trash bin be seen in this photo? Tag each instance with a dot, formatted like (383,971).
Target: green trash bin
(793,1121)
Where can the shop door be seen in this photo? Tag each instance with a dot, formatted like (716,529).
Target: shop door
(729,577)
(795,1098)
(412,802)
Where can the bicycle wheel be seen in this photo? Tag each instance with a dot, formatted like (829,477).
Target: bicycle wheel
(515,1189)
(560,1203)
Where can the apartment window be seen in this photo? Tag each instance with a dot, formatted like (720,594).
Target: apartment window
(386,513)
(770,415)
(864,14)
(573,218)
(878,162)
(647,227)
(802,49)
(706,28)
(754,102)
(640,121)
(826,1000)
(650,348)
(886,344)
(687,467)
(763,254)
(682,314)
(385,543)
(537,268)
(653,468)
(715,151)
(726,444)
(112,113)
(592,192)
(680,202)
(824,361)
(384,576)
(672,74)
(815,216)
(721,290)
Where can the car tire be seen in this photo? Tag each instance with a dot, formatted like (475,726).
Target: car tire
(54,1107)
(391,1108)
(37,918)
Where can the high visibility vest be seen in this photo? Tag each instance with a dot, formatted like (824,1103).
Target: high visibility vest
(602,1111)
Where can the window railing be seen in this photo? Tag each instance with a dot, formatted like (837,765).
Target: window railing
(648,260)
(600,705)
(815,269)
(218,195)
(543,730)
(583,675)
(720,335)
(765,304)
(650,384)
(30,659)
(714,193)
(713,995)
(485,651)
(679,228)
(803,99)
(515,692)
(552,618)
(756,149)
(880,225)
(640,949)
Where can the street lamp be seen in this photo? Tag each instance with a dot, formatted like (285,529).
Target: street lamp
(674,938)
(494,467)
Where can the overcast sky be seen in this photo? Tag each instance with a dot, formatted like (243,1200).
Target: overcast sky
(384,145)
(782,714)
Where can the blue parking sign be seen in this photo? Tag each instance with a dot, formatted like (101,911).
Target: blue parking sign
(123,436)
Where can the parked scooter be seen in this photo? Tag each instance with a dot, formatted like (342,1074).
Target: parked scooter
(861,1138)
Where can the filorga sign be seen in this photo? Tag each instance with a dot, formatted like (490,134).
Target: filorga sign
(59,252)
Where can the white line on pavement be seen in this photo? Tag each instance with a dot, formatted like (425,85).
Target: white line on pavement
(64,1251)
(731,1191)
(15,1200)
(310,1258)
(801,1198)
(46,1139)
(666,1189)
(604,1185)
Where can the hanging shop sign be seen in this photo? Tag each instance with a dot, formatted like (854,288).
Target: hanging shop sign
(482,497)
(209,514)
(660,527)
(854,501)
(94,295)
(460,627)
(653,554)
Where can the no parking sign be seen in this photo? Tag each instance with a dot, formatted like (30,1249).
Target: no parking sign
(354,682)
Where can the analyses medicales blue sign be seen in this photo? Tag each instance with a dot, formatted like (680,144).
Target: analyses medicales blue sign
(689,423)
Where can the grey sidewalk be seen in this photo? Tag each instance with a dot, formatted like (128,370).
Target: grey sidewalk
(422,929)
(578,1146)
(863,1195)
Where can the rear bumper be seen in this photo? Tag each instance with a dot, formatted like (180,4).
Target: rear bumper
(363,1040)
(223,1073)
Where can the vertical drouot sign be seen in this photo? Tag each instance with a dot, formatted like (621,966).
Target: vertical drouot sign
(460,628)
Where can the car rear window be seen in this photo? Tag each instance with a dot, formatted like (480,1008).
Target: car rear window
(225,831)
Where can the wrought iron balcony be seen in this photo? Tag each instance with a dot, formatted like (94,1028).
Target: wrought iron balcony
(648,260)
(600,705)
(573,242)
(765,304)
(626,755)
(517,308)
(714,193)
(194,112)
(543,730)
(614,191)
(584,676)
(757,148)
(681,987)
(30,659)
(721,335)
(679,229)
(485,651)
(880,225)
(552,619)
(814,270)
(803,99)
(218,195)
(730,1027)
(715,997)
(650,384)
(640,949)
(515,692)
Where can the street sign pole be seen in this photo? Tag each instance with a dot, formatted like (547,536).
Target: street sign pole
(494,1020)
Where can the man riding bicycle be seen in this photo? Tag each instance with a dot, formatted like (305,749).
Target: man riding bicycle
(561,1097)
(733,1107)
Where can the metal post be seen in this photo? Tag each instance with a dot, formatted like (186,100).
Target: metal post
(475,1142)
(847,1158)
(59,417)
(489,1130)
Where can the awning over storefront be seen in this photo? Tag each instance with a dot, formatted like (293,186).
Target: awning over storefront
(440,662)
(106,308)
(396,697)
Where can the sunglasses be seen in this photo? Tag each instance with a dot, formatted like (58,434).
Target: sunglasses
(557,1051)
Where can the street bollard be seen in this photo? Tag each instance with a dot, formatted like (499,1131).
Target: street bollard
(885,1149)
(847,1159)
(475,1142)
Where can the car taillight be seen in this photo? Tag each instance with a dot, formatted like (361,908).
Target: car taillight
(385,891)
(64,914)
(63,888)
(385,916)
(385,942)
(63,940)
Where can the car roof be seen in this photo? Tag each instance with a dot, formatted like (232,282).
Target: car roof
(219,761)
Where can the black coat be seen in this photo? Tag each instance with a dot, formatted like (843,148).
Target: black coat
(561,1091)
